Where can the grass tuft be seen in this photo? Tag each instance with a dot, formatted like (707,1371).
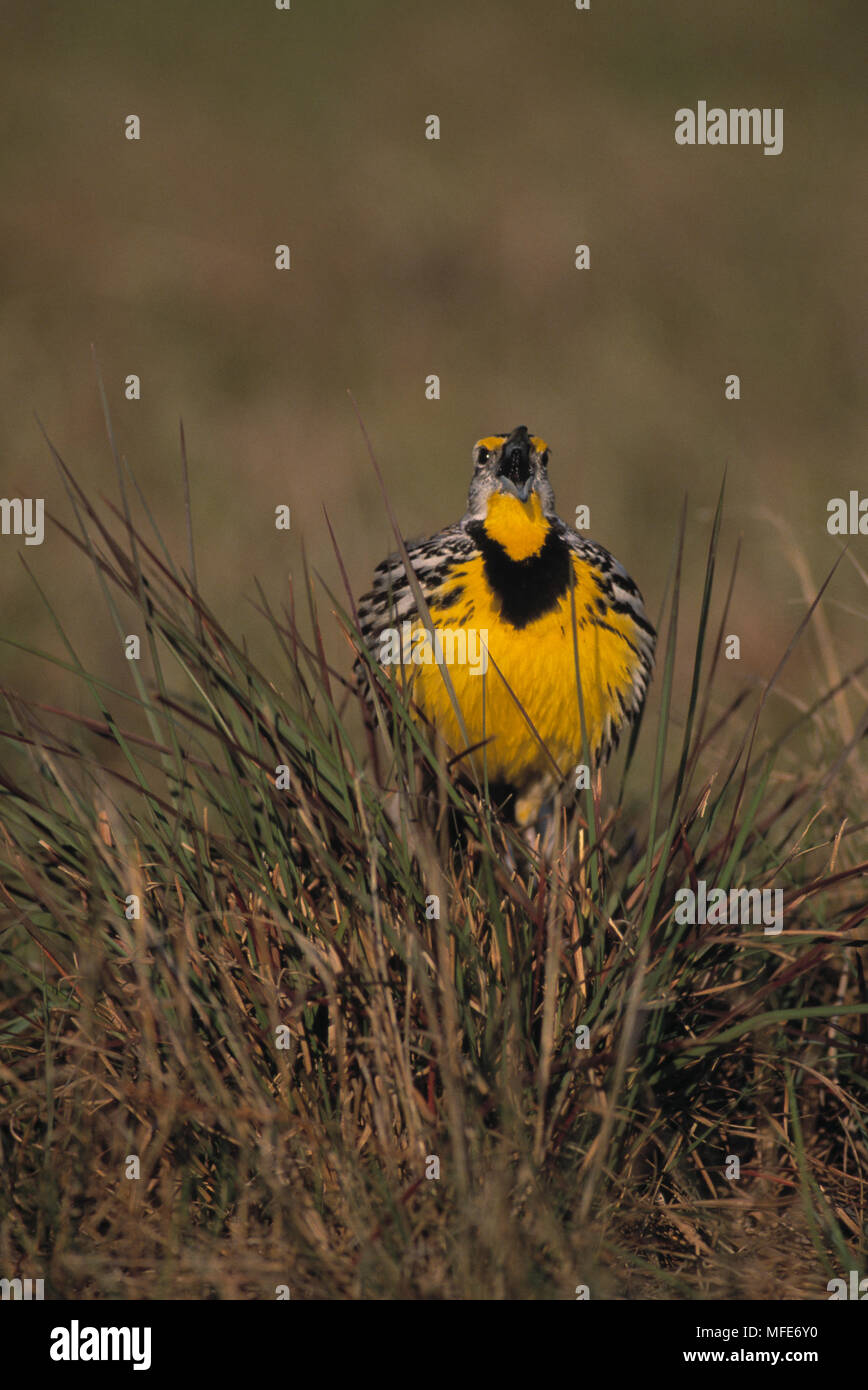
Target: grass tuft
(290,1003)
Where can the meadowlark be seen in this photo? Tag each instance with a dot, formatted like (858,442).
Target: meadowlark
(537,627)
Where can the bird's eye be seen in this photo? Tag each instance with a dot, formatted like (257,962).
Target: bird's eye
(544,458)
(482,454)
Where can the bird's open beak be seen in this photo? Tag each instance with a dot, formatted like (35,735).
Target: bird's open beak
(515,473)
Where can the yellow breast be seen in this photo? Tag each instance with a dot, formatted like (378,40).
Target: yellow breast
(516,685)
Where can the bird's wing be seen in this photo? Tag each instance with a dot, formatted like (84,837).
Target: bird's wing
(392,600)
(620,593)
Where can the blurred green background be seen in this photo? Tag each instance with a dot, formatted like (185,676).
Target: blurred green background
(412,257)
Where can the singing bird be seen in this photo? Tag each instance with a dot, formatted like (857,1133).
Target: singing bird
(524,612)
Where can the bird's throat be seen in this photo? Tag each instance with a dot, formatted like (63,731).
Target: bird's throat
(520,528)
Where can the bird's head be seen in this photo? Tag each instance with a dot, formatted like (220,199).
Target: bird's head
(511,464)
